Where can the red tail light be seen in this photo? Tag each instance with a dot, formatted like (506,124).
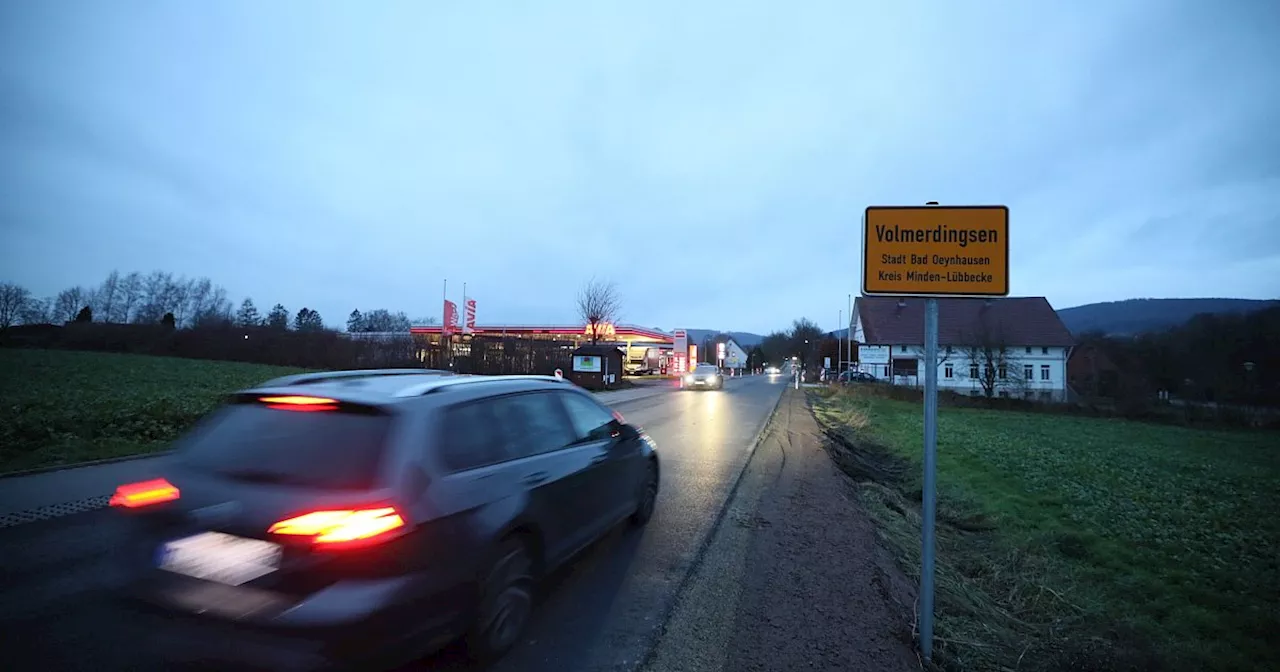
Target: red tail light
(300,403)
(146,493)
(343,527)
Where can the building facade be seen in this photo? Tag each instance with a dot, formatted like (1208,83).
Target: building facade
(1010,347)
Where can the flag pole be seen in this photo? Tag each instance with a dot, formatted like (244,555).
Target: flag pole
(444,324)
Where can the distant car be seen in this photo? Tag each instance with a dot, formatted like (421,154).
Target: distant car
(364,518)
(773,371)
(704,377)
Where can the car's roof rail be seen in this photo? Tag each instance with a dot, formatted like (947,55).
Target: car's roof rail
(464,379)
(324,376)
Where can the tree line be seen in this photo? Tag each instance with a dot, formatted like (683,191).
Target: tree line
(805,340)
(161,297)
(1220,358)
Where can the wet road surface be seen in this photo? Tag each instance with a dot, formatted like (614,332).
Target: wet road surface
(603,612)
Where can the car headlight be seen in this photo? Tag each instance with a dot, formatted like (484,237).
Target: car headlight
(688,378)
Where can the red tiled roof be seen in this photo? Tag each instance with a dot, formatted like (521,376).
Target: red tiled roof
(1015,321)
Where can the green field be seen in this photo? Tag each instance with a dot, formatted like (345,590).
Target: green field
(61,407)
(1079,543)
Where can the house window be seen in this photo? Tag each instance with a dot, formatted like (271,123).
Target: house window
(1044,372)
(1004,372)
(1029,371)
(1028,349)
(947,371)
(1044,350)
(948,349)
(886,371)
(973,371)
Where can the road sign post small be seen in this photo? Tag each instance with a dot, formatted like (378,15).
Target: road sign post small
(934,251)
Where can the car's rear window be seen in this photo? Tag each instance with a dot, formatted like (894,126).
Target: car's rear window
(326,449)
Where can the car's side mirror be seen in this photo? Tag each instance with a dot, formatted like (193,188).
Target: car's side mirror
(625,432)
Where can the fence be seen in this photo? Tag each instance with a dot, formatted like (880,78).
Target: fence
(497,355)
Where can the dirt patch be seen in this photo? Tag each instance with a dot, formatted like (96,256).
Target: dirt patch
(819,593)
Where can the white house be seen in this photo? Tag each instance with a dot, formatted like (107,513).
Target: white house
(1005,347)
(734,356)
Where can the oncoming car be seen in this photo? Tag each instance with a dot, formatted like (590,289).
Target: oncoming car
(704,377)
(360,519)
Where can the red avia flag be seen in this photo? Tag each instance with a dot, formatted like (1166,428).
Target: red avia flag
(450,317)
(469,325)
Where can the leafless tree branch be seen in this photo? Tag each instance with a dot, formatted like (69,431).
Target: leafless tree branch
(598,305)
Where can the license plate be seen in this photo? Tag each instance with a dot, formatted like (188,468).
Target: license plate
(223,558)
(235,602)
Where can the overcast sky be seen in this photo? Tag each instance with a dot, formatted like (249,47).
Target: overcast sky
(713,158)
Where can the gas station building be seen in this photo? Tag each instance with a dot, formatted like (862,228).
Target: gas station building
(640,344)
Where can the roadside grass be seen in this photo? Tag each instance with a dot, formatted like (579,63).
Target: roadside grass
(61,407)
(1073,543)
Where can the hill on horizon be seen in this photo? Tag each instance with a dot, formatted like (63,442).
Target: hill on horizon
(745,339)
(1134,316)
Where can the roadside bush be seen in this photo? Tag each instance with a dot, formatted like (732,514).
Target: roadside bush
(1139,409)
(256,345)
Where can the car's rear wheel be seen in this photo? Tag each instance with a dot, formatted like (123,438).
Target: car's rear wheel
(506,602)
(648,499)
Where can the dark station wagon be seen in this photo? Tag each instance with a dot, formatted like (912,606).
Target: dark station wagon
(362,518)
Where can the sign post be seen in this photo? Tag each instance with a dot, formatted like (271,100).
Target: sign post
(930,252)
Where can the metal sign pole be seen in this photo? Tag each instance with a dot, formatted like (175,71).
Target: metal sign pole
(929,496)
(900,246)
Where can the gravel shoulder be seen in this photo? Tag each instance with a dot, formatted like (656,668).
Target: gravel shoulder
(794,577)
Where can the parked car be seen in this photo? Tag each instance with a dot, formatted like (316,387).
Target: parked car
(704,377)
(852,377)
(365,518)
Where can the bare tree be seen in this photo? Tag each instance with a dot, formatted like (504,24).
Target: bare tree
(37,311)
(426,321)
(992,364)
(130,290)
(107,297)
(155,297)
(13,303)
(381,320)
(68,304)
(198,296)
(179,300)
(215,310)
(598,306)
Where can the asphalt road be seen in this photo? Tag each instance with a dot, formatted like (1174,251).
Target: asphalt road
(601,613)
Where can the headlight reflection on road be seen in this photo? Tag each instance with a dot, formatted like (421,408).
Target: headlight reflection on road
(707,416)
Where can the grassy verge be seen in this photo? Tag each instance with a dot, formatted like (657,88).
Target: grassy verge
(1069,543)
(62,407)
